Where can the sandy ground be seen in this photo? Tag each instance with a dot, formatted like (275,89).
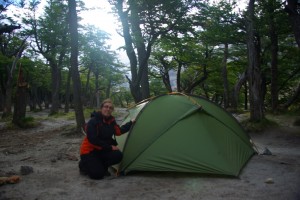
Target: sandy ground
(53,159)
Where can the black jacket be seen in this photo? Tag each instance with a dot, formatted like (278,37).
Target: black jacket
(101,131)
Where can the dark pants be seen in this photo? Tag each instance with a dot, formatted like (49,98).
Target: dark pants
(96,163)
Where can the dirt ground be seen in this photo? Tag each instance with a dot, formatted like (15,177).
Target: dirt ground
(47,162)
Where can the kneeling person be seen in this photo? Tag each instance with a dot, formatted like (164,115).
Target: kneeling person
(99,150)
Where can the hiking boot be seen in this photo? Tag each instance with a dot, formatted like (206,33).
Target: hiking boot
(82,171)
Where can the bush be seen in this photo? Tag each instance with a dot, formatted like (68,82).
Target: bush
(250,126)
(28,122)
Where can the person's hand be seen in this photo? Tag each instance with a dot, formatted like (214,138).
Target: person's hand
(114,148)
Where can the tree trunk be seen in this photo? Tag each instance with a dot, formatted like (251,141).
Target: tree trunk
(274,69)
(33,98)
(198,81)
(145,87)
(86,93)
(236,91)
(139,82)
(67,98)
(246,95)
(254,72)
(166,79)
(39,98)
(20,105)
(20,100)
(134,86)
(8,98)
(293,9)
(47,100)
(9,84)
(263,89)
(142,53)
(224,77)
(293,99)
(80,121)
(274,57)
(56,81)
(178,76)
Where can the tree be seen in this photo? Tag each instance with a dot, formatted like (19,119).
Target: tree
(274,53)
(20,99)
(4,19)
(12,46)
(160,66)
(292,7)
(51,41)
(143,22)
(10,71)
(74,64)
(222,29)
(273,50)
(39,89)
(271,15)
(183,54)
(100,66)
(254,71)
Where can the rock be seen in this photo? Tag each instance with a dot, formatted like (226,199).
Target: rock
(266,152)
(269,181)
(25,170)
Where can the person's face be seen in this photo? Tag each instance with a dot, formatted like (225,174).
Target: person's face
(107,109)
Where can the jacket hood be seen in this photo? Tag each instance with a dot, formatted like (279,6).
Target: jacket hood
(96,114)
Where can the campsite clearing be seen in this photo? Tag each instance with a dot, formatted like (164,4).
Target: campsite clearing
(46,160)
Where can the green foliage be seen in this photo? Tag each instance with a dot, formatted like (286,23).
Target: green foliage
(187,34)
(294,109)
(157,88)
(68,116)
(27,122)
(100,69)
(258,126)
(87,112)
(6,119)
(200,49)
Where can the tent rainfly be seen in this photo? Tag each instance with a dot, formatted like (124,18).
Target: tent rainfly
(184,133)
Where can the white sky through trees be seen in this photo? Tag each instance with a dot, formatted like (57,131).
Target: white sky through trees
(101,16)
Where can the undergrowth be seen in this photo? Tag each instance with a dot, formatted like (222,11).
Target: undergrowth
(27,122)
(259,126)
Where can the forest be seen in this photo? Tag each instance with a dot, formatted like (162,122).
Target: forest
(241,59)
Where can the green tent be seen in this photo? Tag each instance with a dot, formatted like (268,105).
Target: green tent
(183,133)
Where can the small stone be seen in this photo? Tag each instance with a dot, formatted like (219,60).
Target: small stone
(269,181)
(25,170)
(267,152)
